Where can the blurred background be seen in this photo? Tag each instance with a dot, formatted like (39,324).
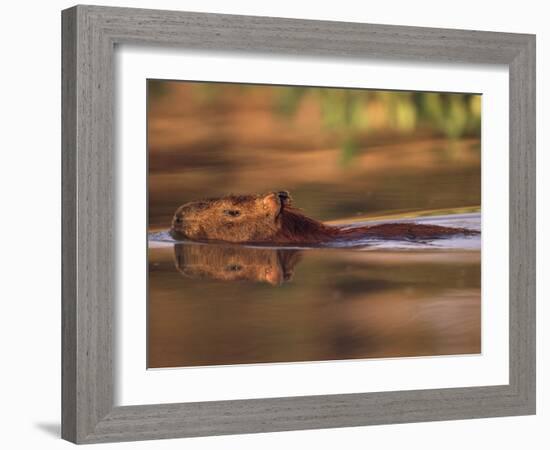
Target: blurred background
(340,152)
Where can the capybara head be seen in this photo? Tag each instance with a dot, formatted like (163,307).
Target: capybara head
(235,263)
(235,218)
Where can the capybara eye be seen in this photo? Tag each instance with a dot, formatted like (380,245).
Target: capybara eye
(179,219)
(232,212)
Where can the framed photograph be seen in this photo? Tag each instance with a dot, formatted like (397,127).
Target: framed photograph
(277,224)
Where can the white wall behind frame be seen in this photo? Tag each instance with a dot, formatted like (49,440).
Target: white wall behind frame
(30,331)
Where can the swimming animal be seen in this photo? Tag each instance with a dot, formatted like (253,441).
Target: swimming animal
(272,219)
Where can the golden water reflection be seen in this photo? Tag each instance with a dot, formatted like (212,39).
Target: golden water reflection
(214,305)
(235,263)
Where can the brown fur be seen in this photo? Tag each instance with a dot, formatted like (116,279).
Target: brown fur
(271,219)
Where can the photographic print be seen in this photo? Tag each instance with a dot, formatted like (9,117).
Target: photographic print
(300,223)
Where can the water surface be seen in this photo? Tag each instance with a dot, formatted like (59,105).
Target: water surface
(213,304)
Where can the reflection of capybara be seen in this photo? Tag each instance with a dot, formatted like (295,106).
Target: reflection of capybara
(231,263)
(271,218)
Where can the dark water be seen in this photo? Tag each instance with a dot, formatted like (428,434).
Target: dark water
(228,304)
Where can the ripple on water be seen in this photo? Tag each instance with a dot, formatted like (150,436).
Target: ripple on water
(470,221)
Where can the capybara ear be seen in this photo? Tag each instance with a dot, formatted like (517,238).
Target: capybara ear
(273,203)
(285,198)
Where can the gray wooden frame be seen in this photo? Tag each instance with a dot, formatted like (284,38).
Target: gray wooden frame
(90,34)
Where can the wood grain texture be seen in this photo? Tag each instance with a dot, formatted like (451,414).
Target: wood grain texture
(88,236)
(89,36)
(523,224)
(68,224)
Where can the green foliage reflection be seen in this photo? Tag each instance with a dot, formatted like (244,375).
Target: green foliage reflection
(353,113)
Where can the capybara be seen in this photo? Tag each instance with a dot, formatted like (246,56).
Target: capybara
(271,219)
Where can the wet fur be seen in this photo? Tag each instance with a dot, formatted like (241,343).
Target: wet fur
(272,219)
(297,227)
